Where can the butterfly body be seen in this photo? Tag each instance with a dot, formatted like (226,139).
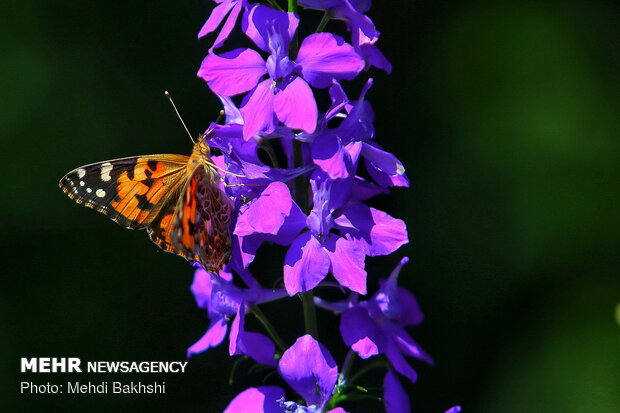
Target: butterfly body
(176,198)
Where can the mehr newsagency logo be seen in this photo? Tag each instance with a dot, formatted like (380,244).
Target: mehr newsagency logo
(75,365)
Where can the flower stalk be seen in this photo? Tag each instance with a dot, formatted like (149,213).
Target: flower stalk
(307,300)
(315,209)
(292,6)
(262,318)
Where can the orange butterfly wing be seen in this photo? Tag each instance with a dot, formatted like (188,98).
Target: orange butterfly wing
(200,226)
(131,191)
(185,215)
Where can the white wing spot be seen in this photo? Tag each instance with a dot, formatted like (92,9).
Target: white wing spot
(82,183)
(89,190)
(100,193)
(105,171)
(81,172)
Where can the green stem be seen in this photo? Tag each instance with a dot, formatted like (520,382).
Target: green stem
(307,300)
(292,6)
(274,5)
(348,363)
(258,313)
(294,46)
(300,188)
(367,368)
(326,17)
(240,360)
(266,146)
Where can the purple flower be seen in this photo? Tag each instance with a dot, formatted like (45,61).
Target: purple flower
(310,370)
(285,94)
(274,84)
(364,34)
(377,326)
(341,235)
(272,216)
(365,46)
(226,9)
(223,300)
(241,158)
(337,151)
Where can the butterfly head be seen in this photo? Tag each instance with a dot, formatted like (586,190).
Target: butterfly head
(201,146)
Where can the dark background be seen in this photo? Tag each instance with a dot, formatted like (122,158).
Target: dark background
(504,113)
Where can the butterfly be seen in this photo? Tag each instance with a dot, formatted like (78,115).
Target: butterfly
(176,198)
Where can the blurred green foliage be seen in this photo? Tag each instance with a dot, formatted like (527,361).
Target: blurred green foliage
(506,115)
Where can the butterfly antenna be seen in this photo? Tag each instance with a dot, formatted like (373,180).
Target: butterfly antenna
(220,115)
(179,115)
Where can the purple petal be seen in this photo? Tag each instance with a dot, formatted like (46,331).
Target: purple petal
(412,314)
(329,194)
(374,57)
(363,190)
(359,332)
(350,11)
(356,19)
(295,106)
(354,149)
(294,223)
(384,167)
(396,303)
(273,217)
(329,155)
(347,264)
(215,18)
(305,265)
(212,338)
(225,297)
(398,361)
(233,116)
(260,348)
(407,345)
(233,72)
(394,395)
(254,345)
(236,328)
(244,250)
(455,409)
(377,232)
(262,399)
(325,56)
(251,282)
(257,110)
(261,19)
(358,125)
(201,288)
(339,100)
(320,221)
(337,410)
(267,213)
(310,370)
(228,26)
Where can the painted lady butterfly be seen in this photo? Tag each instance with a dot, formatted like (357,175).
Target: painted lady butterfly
(174,197)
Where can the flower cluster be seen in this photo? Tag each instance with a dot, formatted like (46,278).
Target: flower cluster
(310,199)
